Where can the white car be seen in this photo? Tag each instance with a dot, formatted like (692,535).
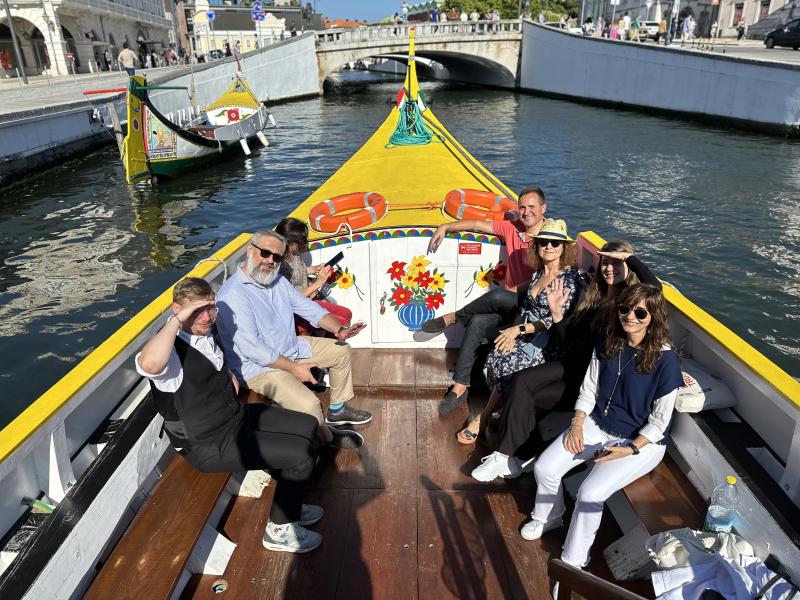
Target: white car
(649,30)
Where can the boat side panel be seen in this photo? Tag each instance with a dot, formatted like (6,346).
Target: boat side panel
(379,267)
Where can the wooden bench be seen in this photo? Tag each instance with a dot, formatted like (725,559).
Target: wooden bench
(149,560)
(663,499)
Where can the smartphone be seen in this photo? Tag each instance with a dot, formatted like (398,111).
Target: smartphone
(318,374)
(335,260)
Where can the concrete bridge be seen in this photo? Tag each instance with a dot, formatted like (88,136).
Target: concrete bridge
(484,52)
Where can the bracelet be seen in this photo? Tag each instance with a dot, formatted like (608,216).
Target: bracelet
(341,329)
(176,317)
(572,421)
(633,447)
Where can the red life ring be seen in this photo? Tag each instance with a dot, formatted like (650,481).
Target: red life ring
(477,204)
(367,207)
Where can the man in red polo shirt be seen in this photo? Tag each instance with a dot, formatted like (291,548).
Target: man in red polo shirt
(483,316)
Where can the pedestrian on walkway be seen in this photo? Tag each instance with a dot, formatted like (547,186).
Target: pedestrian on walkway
(404,10)
(740,29)
(128,59)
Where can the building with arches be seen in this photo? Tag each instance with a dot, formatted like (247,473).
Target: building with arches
(82,34)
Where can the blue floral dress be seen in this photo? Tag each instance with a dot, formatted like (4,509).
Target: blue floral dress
(532,349)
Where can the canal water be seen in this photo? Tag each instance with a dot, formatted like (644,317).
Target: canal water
(715,212)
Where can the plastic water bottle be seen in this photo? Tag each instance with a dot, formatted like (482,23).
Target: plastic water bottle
(722,511)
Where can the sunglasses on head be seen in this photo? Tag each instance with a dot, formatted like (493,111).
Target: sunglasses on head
(543,243)
(267,253)
(638,312)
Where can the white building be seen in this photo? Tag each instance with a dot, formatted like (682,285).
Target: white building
(62,34)
(726,13)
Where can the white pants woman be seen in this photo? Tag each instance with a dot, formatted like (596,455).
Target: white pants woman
(603,480)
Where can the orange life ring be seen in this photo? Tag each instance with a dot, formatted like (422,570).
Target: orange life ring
(367,207)
(477,204)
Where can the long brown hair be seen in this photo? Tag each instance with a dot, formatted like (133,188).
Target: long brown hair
(597,296)
(657,334)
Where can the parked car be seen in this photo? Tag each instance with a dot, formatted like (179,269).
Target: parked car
(648,30)
(786,35)
(216,54)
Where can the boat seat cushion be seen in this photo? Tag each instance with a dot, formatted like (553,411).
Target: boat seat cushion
(701,390)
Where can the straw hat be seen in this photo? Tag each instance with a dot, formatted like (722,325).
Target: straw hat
(554,229)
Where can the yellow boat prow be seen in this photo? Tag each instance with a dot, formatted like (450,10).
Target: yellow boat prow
(413,179)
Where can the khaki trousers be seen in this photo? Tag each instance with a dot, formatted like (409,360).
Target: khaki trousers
(289,392)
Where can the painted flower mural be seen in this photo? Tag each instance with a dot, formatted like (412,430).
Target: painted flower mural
(344,279)
(417,291)
(485,277)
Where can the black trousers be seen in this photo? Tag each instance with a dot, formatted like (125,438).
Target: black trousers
(273,438)
(482,318)
(545,387)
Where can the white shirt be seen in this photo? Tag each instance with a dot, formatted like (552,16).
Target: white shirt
(659,417)
(170,379)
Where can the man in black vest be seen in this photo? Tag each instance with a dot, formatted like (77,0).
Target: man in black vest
(195,392)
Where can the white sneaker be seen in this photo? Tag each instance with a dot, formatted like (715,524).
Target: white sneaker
(310,514)
(291,537)
(533,529)
(497,465)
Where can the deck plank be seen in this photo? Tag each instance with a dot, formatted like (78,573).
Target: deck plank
(444,463)
(361,365)
(433,368)
(393,369)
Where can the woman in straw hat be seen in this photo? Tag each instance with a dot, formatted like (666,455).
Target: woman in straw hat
(525,344)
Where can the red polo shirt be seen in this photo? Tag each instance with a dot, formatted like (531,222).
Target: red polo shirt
(517,245)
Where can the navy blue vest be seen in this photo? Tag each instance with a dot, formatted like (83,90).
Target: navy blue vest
(204,410)
(632,399)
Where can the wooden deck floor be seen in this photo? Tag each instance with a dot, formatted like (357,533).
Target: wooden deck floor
(403,518)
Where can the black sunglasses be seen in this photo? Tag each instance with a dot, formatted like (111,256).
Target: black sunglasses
(267,253)
(638,312)
(544,243)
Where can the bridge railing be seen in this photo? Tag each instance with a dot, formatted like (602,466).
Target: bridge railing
(377,33)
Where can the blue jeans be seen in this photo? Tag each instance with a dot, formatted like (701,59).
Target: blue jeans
(482,318)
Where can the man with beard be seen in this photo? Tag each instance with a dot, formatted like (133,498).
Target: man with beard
(483,316)
(195,392)
(257,307)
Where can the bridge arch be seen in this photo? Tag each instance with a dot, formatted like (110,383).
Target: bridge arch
(484,53)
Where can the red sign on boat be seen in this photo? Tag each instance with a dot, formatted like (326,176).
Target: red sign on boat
(469,248)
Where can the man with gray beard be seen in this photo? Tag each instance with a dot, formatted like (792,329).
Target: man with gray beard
(256,328)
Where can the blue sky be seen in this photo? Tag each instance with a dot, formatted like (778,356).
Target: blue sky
(357,10)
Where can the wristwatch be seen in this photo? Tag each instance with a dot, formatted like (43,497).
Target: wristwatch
(522,328)
(633,447)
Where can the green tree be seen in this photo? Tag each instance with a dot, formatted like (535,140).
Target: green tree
(510,9)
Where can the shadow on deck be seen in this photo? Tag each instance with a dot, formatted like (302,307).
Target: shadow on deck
(403,518)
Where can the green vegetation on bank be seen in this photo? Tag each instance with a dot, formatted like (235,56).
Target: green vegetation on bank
(511,9)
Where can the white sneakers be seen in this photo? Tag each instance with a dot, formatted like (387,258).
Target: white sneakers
(533,529)
(499,465)
(294,537)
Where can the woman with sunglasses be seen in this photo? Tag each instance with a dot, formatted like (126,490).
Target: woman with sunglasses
(295,270)
(622,421)
(555,383)
(525,343)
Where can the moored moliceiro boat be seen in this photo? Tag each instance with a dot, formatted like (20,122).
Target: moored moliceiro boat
(52,448)
(155,146)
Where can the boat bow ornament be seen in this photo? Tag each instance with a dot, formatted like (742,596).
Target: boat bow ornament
(485,52)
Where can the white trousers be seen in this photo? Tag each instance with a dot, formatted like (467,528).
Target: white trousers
(603,480)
